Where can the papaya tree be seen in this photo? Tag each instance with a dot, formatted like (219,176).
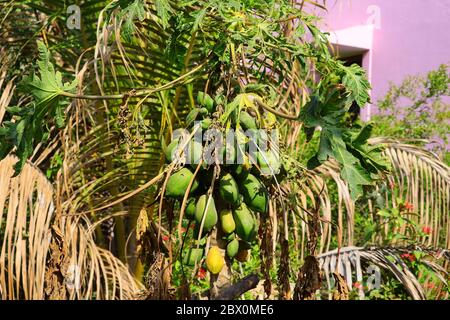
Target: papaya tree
(112,113)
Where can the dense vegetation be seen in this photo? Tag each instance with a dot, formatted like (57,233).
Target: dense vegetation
(125,213)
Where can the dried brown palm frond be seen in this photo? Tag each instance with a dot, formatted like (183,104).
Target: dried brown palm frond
(349,262)
(26,207)
(422,179)
(417,176)
(40,259)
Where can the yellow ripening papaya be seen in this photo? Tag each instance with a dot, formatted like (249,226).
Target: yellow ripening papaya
(227,221)
(210,212)
(178,183)
(228,189)
(255,194)
(246,226)
(214,260)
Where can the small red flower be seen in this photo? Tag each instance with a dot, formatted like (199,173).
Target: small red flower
(201,274)
(429,285)
(427,230)
(409,206)
(357,285)
(165,238)
(408,256)
(183,229)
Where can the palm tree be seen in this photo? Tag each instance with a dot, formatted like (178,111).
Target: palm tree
(134,71)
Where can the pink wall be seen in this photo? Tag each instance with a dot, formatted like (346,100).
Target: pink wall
(410,36)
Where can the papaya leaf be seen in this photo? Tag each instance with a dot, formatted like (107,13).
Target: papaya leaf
(27,129)
(132,10)
(360,162)
(355,81)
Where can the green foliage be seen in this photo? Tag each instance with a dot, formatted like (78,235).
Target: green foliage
(28,126)
(418,108)
(360,162)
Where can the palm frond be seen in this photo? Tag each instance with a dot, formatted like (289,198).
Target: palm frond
(350,263)
(35,252)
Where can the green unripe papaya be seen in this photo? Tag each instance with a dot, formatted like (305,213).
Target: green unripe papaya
(195,150)
(246,227)
(255,194)
(179,182)
(228,189)
(227,221)
(233,248)
(210,212)
(247,121)
(206,101)
(269,163)
(189,212)
(240,173)
(206,123)
(171,149)
(228,153)
(193,256)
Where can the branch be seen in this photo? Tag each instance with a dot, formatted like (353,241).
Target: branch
(138,92)
(275,112)
(239,288)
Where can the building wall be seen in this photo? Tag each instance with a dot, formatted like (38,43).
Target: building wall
(409,36)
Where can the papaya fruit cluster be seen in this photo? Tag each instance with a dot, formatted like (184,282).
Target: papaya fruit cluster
(236,200)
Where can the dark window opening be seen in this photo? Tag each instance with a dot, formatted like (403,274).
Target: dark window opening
(355,110)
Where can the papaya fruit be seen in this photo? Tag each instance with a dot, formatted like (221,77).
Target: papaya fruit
(233,248)
(193,256)
(195,153)
(214,260)
(240,173)
(178,183)
(246,227)
(205,101)
(171,149)
(228,189)
(189,212)
(210,212)
(268,162)
(255,194)
(228,154)
(247,121)
(227,221)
